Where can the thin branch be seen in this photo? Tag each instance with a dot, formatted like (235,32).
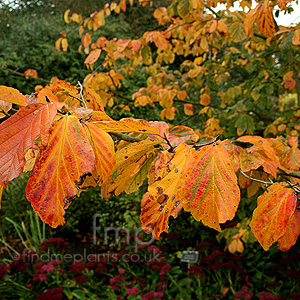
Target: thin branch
(81,94)
(125,137)
(291,174)
(198,146)
(257,180)
(215,13)
(23,75)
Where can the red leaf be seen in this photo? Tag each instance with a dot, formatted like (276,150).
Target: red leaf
(20,132)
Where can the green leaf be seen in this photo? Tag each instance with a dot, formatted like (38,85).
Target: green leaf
(79,294)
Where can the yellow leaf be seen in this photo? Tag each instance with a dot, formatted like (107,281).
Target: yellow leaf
(162,199)
(66,16)
(127,125)
(129,160)
(12,95)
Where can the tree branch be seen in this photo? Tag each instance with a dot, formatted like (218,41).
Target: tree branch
(291,174)
(125,137)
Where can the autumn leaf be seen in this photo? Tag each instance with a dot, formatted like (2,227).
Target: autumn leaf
(31,73)
(19,132)
(265,20)
(291,157)
(250,20)
(129,161)
(93,56)
(274,210)
(1,191)
(296,38)
(162,199)
(209,186)
(267,153)
(12,95)
(250,161)
(59,168)
(290,237)
(127,125)
(5,107)
(104,149)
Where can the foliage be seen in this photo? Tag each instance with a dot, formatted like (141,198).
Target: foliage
(235,63)
(58,271)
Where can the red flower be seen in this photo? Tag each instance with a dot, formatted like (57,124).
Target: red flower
(268,296)
(53,294)
(3,269)
(132,291)
(80,279)
(244,294)
(77,267)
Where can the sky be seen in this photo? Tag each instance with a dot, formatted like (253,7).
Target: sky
(283,19)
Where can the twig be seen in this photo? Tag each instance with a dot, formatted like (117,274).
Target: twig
(198,146)
(215,13)
(81,94)
(257,180)
(291,174)
(168,142)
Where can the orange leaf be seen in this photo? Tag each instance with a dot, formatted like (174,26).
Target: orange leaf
(93,56)
(205,99)
(271,162)
(291,157)
(162,199)
(274,209)
(250,20)
(292,232)
(250,161)
(46,95)
(31,73)
(209,186)
(1,191)
(160,40)
(12,95)
(282,4)
(20,132)
(104,149)
(265,21)
(188,109)
(86,40)
(65,162)
(93,100)
(127,125)
(296,37)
